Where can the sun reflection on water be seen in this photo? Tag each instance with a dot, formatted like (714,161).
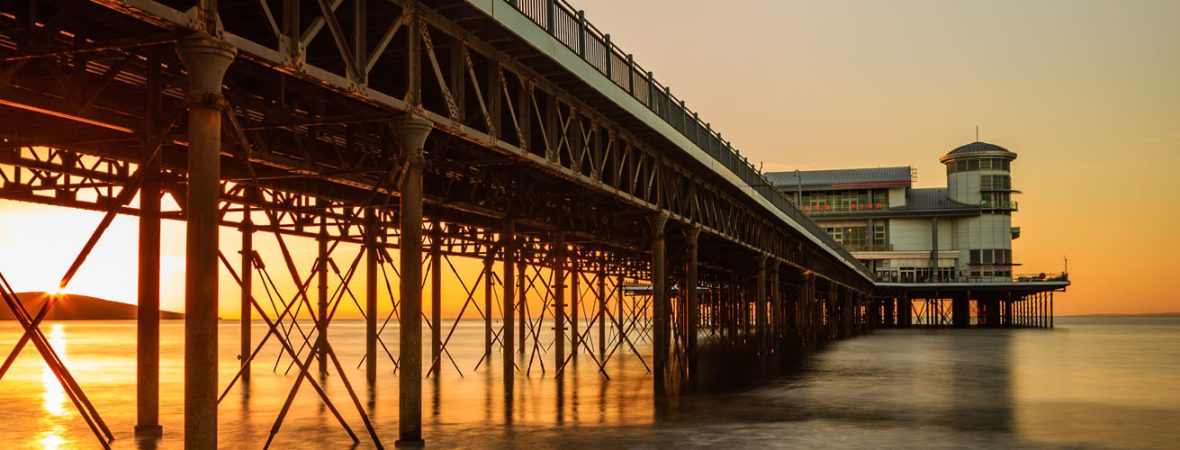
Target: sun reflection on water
(52,439)
(55,396)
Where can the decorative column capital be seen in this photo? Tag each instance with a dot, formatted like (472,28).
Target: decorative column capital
(206,58)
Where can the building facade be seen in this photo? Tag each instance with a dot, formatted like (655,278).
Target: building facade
(959,233)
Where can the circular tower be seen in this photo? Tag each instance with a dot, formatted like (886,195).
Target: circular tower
(980,174)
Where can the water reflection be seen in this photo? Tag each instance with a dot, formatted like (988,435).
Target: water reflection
(55,396)
(981,381)
(895,389)
(52,439)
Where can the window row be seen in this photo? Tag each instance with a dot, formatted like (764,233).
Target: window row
(966,165)
(987,182)
(852,200)
(857,238)
(991,274)
(991,256)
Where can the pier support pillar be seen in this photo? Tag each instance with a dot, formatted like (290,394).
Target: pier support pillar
(522,304)
(411,132)
(575,336)
(321,347)
(147,376)
(960,312)
(371,257)
(776,309)
(905,312)
(559,319)
(692,300)
(206,60)
(488,275)
(660,305)
(760,308)
(602,316)
(508,243)
(620,324)
(247,289)
(435,298)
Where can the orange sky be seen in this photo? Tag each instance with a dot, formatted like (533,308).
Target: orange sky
(1086,93)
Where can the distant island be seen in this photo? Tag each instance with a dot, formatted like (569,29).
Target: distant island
(81,307)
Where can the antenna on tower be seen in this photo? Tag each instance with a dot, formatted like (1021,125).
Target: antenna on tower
(977,133)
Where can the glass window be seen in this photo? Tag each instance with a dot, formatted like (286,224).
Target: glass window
(1007,165)
(880,199)
(985,164)
(973,164)
(960,166)
(975,256)
(988,257)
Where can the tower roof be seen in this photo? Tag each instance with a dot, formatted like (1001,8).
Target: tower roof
(978,148)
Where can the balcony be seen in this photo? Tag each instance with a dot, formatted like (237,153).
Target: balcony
(1008,205)
(877,247)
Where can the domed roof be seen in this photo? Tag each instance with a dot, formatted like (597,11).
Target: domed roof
(978,148)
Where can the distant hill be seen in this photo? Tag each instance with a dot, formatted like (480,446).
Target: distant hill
(80,307)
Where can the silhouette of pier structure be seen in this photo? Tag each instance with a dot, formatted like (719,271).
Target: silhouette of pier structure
(508,144)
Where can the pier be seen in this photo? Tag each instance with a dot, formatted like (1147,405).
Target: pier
(505,147)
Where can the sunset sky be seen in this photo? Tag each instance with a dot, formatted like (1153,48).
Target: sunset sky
(1086,92)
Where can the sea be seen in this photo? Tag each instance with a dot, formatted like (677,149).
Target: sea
(1089,383)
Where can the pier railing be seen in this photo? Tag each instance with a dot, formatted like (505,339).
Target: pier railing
(569,26)
(963,277)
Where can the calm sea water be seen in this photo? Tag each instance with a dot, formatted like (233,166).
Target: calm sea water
(1090,383)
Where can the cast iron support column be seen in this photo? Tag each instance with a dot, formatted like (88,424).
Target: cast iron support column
(371,254)
(776,309)
(692,236)
(435,297)
(660,309)
(508,243)
(321,348)
(412,132)
(601,278)
(559,318)
(621,326)
(247,289)
(206,60)
(1050,309)
(575,336)
(960,311)
(488,261)
(147,379)
(760,308)
(522,306)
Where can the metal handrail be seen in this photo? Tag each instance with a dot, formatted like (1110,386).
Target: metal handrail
(962,277)
(569,26)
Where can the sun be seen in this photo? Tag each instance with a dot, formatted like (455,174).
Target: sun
(58,291)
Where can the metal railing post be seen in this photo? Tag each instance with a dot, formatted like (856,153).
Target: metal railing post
(606,43)
(551,13)
(582,34)
(651,92)
(631,74)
